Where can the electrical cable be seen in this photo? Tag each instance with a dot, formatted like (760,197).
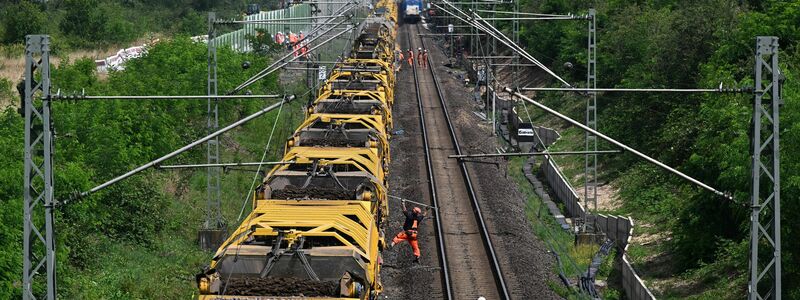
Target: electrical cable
(263,157)
(497,34)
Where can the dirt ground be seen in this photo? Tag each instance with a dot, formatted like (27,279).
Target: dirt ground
(525,263)
(281,286)
(607,196)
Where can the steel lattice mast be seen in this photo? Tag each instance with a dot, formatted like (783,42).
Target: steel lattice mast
(38,246)
(765,232)
(590,170)
(213,219)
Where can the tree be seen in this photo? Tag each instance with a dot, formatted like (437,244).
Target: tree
(22,19)
(84,19)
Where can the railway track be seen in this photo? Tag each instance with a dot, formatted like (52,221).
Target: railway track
(470,268)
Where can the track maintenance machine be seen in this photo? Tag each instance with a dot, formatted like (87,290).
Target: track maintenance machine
(316,229)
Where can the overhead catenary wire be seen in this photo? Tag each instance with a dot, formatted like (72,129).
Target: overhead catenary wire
(314,36)
(263,157)
(473,19)
(415,202)
(267,70)
(280,63)
(500,36)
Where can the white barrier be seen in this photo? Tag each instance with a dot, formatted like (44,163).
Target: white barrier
(117,61)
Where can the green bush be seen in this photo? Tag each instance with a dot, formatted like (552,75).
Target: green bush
(680,44)
(84,20)
(22,19)
(133,239)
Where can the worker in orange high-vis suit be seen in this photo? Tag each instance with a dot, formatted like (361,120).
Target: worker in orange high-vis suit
(398,60)
(293,43)
(410,227)
(419,58)
(410,58)
(425,59)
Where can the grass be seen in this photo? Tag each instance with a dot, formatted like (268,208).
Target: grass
(571,165)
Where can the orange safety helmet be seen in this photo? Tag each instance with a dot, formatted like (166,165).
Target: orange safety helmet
(417,210)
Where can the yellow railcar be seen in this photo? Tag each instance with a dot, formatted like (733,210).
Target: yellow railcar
(316,229)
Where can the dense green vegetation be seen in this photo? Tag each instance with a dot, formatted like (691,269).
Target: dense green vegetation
(91,23)
(684,44)
(135,239)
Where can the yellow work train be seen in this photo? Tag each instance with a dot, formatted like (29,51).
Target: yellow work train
(316,229)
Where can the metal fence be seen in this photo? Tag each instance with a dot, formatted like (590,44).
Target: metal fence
(238,39)
(617,228)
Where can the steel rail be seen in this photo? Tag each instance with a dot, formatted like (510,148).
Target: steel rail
(619,144)
(448,287)
(185,148)
(535,154)
(498,274)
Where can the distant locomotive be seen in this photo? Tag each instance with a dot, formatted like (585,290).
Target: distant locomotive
(411,10)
